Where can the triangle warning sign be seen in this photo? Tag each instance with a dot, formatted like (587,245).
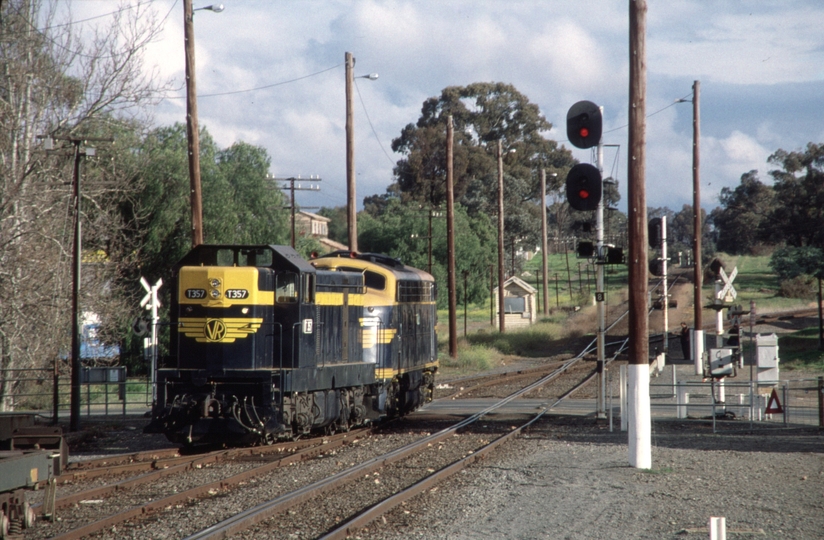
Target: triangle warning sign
(773,405)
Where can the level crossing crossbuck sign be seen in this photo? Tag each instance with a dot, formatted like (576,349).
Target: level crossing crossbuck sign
(727,293)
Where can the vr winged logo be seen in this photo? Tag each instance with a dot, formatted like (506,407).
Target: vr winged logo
(214,330)
(218,330)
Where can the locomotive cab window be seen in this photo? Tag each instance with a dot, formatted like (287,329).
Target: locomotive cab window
(286,290)
(225,257)
(373,280)
(254,257)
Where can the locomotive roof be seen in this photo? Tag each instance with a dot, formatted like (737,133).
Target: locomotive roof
(285,257)
(282,256)
(400,270)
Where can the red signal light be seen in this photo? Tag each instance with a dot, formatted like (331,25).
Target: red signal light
(584,132)
(584,194)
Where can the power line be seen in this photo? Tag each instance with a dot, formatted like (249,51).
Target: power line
(372,126)
(262,87)
(653,114)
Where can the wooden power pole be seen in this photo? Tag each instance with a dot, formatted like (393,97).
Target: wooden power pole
(639,425)
(450,244)
(544,246)
(697,348)
(193,137)
(351,199)
(501,311)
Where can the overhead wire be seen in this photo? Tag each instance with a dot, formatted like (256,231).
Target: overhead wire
(653,114)
(375,133)
(231,92)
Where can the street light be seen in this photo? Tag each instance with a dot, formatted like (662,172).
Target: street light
(217,8)
(351,201)
(192,135)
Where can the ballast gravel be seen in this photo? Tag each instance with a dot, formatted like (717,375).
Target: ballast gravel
(574,482)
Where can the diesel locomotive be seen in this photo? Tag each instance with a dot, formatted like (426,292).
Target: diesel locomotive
(265,345)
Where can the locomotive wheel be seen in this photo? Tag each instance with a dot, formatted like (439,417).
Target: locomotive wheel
(29,516)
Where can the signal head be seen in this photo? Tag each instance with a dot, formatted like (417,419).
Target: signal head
(584,124)
(584,187)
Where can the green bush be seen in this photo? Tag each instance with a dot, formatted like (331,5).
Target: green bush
(802,286)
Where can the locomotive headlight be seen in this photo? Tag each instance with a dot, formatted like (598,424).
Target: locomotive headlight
(215,293)
(244,310)
(214,282)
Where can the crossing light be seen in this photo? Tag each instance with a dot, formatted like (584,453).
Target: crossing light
(584,187)
(584,124)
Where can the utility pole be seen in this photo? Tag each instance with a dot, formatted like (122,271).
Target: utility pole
(292,189)
(543,241)
(664,267)
(192,135)
(698,332)
(501,313)
(78,152)
(639,424)
(77,256)
(351,199)
(450,245)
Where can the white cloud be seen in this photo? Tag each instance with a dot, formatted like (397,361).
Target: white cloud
(555,52)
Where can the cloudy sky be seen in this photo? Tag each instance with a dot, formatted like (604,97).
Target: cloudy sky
(760,64)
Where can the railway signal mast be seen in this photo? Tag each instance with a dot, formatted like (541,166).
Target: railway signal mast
(584,188)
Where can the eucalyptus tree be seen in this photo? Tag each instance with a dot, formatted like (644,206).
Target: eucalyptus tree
(401,230)
(742,222)
(483,114)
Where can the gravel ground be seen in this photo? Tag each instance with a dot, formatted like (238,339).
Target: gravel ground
(568,478)
(573,481)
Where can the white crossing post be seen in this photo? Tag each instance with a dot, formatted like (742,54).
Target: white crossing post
(682,400)
(622,395)
(718,528)
(151,303)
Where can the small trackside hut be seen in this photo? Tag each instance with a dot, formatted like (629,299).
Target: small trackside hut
(264,345)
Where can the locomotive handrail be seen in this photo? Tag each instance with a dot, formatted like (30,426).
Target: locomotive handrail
(280,342)
(294,345)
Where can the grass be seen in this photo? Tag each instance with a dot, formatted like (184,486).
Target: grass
(471,359)
(484,347)
(756,282)
(799,350)
(663,470)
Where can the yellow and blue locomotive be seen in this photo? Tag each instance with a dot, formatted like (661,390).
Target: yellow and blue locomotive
(267,345)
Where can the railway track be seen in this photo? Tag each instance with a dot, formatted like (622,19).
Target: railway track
(249,522)
(296,504)
(254,461)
